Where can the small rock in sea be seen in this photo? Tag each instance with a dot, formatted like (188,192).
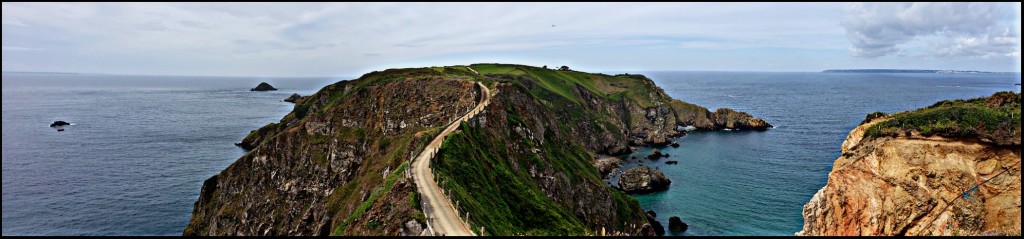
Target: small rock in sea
(263,86)
(655,155)
(677,225)
(671,162)
(293,98)
(60,130)
(675,144)
(59,123)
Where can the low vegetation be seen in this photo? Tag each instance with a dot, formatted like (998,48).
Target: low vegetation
(377,192)
(995,119)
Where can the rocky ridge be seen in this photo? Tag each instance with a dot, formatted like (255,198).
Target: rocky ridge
(336,164)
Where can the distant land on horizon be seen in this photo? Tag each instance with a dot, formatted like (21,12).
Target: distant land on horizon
(912,71)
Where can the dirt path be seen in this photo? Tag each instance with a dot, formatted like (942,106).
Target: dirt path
(442,218)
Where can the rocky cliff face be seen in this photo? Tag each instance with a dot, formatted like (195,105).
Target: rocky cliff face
(328,160)
(914,184)
(622,110)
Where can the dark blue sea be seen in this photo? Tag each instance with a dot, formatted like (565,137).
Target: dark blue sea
(136,154)
(140,147)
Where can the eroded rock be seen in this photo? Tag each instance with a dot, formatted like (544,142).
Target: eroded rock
(643,179)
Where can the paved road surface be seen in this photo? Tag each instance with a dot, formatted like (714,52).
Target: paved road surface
(441,215)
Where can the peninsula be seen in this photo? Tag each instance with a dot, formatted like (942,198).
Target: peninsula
(483,149)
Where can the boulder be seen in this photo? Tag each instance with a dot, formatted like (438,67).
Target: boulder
(647,230)
(655,224)
(293,98)
(411,228)
(607,166)
(655,155)
(677,225)
(263,86)
(675,144)
(643,179)
(671,162)
(59,123)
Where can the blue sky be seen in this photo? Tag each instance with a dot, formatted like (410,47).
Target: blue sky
(331,39)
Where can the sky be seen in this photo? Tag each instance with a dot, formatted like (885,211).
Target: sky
(332,39)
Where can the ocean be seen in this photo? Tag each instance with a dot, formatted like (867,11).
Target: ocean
(136,154)
(139,147)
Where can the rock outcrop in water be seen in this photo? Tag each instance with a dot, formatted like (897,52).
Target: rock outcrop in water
(336,164)
(656,227)
(949,169)
(656,154)
(643,179)
(59,123)
(675,224)
(263,86)
(294,97)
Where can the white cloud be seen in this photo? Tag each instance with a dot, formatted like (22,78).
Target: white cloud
(953,29)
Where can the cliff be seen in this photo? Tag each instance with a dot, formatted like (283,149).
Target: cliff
(338,158)
(336,164)
(949,169)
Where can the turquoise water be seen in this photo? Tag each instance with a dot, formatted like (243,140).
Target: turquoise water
(756,183)
(140,147)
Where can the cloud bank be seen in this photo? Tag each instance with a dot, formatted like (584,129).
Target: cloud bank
(348,39)
(964,29)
